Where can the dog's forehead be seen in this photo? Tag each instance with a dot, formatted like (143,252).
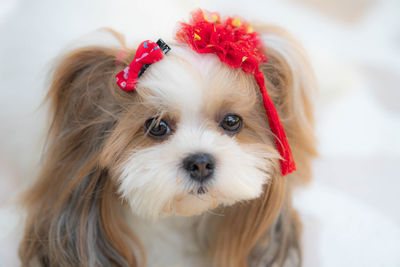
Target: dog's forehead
(186,80)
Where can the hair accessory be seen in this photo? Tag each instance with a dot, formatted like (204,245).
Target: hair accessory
(239,46)
(147,53)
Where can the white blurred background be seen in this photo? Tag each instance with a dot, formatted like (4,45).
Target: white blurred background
(350,211)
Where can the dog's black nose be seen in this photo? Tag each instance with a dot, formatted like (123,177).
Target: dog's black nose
(199,166)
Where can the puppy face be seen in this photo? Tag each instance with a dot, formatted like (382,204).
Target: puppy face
(197,137)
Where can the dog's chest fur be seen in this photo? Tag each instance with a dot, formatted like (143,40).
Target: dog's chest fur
(173,241)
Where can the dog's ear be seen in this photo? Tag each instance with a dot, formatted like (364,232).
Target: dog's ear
(291,84)
(265,230)
(83,92)
(72,216)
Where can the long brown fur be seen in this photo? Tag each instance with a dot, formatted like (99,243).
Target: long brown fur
(74,215)
(72,220)
(248,226)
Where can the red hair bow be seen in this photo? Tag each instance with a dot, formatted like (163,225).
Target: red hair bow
(147,53)
(238,46)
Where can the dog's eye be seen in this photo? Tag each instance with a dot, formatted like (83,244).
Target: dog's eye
(157,129)
(231,123)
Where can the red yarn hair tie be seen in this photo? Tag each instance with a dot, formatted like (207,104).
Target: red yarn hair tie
(147,53)
(238,46)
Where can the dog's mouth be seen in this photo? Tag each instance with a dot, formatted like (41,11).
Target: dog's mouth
(199,191)
(195,188)
(194,201)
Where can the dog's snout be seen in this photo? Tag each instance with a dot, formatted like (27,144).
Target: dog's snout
(200,166)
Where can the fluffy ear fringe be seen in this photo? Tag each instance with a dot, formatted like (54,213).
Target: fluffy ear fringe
(291,83)
(245,226)
(72,219)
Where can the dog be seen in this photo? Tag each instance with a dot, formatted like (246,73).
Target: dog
(182,162)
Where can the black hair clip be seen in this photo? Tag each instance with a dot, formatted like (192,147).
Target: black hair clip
(164,48)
